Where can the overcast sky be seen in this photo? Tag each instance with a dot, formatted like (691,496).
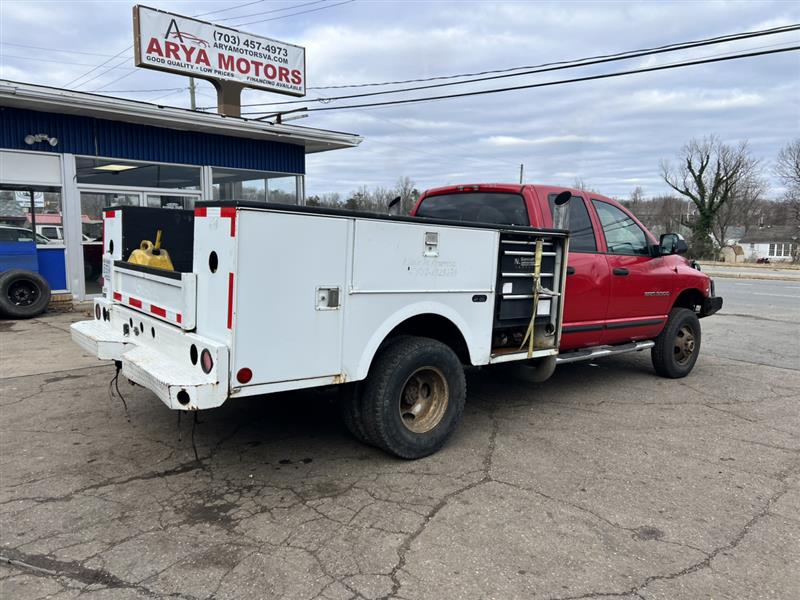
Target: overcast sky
(611,133)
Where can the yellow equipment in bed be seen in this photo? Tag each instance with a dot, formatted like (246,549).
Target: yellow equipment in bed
(151,255)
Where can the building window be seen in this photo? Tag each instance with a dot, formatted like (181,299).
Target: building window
(254,186)
(124,173)
(15,212)
(772,250)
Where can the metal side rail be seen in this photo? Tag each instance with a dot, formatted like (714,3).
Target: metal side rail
(601,351)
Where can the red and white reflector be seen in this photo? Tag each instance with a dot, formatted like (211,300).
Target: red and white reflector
(206,362)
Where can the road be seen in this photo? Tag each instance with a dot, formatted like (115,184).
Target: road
(605,482)
(761,324)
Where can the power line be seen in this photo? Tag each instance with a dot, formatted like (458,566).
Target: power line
(558,66)
(551,83)
(780,29)
(274,10)
(53,49)
(102,64)
(58,62)
(172,89)
(212,12)
(302,12)
(111,68)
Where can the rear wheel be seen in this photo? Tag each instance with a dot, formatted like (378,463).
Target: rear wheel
(414,397)
(351,412)
(23,294)
(678,345)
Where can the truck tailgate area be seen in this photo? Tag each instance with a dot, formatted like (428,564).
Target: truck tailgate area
(158,356)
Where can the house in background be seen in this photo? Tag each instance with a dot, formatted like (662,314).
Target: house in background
(776,242)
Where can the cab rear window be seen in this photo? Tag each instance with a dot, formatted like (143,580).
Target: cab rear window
(476,207)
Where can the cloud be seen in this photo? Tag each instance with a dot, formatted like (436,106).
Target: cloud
(510,140)
(612,132)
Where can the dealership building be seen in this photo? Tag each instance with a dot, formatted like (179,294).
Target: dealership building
(64,156)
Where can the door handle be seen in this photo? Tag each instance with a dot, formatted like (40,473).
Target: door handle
(621,271)
(570,270)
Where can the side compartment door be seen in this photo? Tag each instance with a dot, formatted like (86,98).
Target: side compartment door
(588,281)
(642,286)
(290,295)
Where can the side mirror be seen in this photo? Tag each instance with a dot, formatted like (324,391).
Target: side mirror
(393,207)
(672,243)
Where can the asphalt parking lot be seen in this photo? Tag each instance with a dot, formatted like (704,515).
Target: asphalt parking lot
(605,482)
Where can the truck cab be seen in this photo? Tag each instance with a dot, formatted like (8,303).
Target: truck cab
(622,284)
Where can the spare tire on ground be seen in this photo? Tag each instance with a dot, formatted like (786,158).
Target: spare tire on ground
(23,294)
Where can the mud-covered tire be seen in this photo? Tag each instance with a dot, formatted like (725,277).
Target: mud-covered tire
(23,294)
(413,398)
(678,345)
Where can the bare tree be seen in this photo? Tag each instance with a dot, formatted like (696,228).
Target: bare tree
(741,208)
(787,168)
(710,173)
(408,194)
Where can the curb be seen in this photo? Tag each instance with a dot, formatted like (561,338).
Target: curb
(769,276)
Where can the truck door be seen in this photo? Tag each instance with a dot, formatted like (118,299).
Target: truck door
(641,285)
(588,280)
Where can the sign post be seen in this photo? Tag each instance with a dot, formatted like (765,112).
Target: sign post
(229,59)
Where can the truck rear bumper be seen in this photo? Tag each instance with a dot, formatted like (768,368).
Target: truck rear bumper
(164,369)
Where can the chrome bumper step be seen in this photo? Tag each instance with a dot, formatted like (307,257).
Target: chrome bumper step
(601,351)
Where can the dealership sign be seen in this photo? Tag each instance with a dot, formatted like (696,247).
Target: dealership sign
(186,46)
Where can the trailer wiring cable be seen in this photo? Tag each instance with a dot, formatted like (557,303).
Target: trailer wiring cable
(195,423)
(556,66)
(114,383)
(549,83)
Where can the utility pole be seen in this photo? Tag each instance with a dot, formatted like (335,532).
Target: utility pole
(192,100)
(521,171)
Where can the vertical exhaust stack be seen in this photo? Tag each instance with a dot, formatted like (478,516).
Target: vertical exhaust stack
(561,210)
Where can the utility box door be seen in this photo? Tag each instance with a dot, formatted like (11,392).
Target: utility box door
(289,295)
(419,257)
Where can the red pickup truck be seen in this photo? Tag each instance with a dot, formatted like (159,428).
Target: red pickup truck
(625,290)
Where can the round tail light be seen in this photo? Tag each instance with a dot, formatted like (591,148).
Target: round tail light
(206,362)
(97,311)
(244,375)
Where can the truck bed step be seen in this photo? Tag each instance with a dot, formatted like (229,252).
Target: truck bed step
(601,351)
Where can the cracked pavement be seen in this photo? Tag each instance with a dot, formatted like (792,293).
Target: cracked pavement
(605,482)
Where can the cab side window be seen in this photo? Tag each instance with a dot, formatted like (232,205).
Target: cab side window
(581,232)
(623,235)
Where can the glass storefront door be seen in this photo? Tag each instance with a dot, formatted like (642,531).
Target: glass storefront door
(92,205)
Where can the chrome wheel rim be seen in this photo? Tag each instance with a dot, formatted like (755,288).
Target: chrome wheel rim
(685,345)
(424,399)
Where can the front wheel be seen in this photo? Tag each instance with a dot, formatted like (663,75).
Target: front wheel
(414,397)
(678,345)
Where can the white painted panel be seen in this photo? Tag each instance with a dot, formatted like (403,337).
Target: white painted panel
(392,256)
(370,318)
(34,168)
(283,260)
